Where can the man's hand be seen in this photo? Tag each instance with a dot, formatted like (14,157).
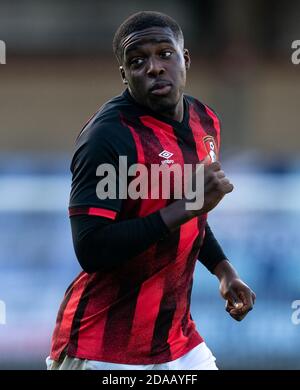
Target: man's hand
(239,297)
(216,186)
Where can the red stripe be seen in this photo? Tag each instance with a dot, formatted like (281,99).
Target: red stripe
(146,312)
(96,211)
(138,144)
(92,325)
(146,206)
(168,140)
(131,206)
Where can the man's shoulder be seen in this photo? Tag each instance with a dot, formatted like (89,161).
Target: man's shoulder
(105,136)
(111,110)
(107,122)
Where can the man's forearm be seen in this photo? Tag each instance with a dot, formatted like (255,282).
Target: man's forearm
(225,270)
(211,254)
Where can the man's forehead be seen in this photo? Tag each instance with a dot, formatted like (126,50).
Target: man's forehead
(152,35)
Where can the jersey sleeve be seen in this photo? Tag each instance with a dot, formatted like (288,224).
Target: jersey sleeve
(211,252)
(95,169)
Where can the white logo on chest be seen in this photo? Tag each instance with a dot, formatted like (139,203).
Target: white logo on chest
(166,155)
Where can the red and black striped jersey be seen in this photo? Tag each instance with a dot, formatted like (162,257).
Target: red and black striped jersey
(139,312)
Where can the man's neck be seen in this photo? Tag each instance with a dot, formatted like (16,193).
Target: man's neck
(175,113)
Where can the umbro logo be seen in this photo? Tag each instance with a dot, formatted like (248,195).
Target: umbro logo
(165,154)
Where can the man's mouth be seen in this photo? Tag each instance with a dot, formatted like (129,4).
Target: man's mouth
(161,88)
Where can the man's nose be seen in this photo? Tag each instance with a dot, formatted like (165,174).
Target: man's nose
(155,67)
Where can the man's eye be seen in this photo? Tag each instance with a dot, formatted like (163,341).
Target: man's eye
(166,54)
(136,61)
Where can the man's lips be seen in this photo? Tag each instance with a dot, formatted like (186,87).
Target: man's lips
(161,88)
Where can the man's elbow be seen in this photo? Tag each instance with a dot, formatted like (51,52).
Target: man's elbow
(85,260)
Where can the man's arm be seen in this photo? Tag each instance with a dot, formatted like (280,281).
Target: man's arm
(211,253)
(239,297)
(100,244)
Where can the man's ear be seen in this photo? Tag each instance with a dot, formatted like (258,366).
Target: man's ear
(122,71)
(187,58)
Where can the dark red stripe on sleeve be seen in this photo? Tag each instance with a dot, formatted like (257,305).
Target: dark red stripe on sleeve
(96,211)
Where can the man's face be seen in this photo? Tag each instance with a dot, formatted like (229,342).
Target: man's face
(154,65)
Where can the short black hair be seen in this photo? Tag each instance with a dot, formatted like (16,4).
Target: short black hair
(140,21)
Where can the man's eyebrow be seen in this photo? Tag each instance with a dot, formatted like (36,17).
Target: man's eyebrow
(136,46)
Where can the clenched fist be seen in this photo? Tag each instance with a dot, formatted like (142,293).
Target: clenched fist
(216,186)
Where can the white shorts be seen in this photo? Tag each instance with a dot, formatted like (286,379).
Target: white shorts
(199,358)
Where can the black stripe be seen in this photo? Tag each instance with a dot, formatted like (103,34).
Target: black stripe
(185,318)
(162,328)
(79,313)
(120,318)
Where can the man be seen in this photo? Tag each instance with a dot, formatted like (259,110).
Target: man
(130,307)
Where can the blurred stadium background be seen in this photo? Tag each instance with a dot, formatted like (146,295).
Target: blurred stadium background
(60,69)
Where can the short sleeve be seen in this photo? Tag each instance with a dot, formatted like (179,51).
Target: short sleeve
(101,149)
